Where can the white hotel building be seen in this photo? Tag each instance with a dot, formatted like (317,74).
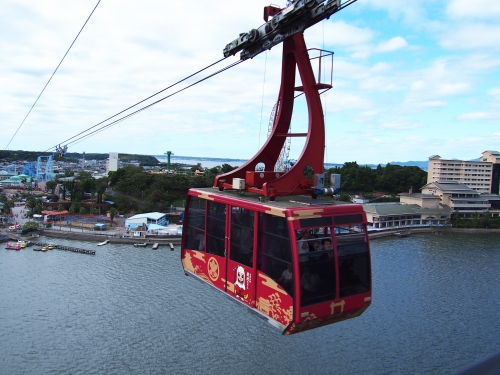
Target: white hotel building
(482,176)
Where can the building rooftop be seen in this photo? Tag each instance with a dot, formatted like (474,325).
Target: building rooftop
(450,187)
(404,209)
(420,195)
(149,215)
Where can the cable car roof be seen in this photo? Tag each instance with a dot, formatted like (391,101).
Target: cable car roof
(276,207)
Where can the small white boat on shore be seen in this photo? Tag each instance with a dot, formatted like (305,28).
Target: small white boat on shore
(103,243)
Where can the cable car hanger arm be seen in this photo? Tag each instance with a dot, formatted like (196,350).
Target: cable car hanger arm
(298,16)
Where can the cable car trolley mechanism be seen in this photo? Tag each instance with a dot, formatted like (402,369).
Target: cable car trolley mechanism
(261,236)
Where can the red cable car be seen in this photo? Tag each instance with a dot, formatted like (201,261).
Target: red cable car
(299,262)
(262,236)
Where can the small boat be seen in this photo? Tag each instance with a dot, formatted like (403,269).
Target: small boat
(37,249)
(50,247)
(44,248)
(17,246)
(155,246)
(402,233)
(22,243)
(9,246)
(140,244)
(171,246)
(103,243)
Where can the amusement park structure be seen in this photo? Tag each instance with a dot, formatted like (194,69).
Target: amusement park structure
(168,153)
(43,169)
(260,235)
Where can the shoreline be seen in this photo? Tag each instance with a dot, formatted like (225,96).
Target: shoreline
(176,240)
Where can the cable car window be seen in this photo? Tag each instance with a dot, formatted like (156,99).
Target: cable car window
(354,263)
(195,231)
(242,221)
(317,265)
(316,222)
(216,224)
(275,254)
(347,219)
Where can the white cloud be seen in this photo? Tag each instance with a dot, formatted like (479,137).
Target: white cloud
(392,45)
(338,33)
(400,124)
(389,77)
(473,116)
(473,9)
(471,36)
(446,89)
(412,12)
(494,91)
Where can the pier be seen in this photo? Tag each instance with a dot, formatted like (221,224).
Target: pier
(67,248)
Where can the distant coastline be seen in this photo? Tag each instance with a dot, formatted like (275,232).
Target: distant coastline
(200,159)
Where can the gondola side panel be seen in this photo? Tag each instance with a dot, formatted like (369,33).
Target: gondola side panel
(195,262)
(272,300)
(313,321)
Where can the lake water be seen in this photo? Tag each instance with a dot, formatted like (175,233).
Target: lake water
(132,310)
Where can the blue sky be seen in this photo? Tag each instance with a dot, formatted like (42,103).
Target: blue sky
(411,79)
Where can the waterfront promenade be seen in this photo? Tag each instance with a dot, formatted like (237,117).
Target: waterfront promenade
(115,235)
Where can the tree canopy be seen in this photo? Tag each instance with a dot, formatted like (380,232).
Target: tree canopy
(392,179)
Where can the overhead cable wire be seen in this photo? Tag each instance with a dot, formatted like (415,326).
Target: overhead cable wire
(142,101)
(104,127)
(33,106)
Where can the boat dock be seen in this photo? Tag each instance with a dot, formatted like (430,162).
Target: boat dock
(67,248)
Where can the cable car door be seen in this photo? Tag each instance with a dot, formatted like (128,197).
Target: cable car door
(240,270)
(216,244)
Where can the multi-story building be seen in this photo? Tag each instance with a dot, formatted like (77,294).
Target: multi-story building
(112,162)
(494,158)
(482,176)
(463,201)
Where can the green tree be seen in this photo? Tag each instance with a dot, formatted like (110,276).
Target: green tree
(345,197)
(225,168)
(112,213)
(29,226)
(87,184)
(7,206)
(84,175)
(197,167)
(475,219)
(50,186)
